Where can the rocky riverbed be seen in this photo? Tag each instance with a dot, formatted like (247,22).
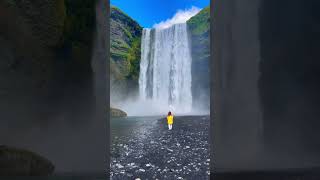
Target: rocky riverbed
(148,150)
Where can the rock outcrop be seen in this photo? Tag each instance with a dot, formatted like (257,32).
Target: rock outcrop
(117,112)
(21,162)
(125,39)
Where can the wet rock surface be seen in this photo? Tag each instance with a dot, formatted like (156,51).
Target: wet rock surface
(151,151)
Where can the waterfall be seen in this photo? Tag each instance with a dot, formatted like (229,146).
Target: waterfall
(165,68)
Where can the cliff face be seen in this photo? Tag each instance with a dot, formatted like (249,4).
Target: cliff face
(290,70)
(266,73)
(44,45)
(125,39)
(46,81)
(236,107)
(199,30)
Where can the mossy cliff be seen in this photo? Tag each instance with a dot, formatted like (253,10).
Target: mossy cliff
(199,30)
(44,43)
(125,42)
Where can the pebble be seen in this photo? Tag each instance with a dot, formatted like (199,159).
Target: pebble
(177,153)
(119,166)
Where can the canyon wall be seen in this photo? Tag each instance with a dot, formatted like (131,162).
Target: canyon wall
(237,122)
(48,85)
(265,87)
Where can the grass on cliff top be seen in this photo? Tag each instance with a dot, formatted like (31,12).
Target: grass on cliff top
(114,8)
(200,23)
(127,52)
(117,13)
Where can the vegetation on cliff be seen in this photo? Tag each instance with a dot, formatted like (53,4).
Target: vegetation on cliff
(200,23)
(199,28)
(125,39)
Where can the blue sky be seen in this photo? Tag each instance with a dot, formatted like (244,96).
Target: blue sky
(150,12)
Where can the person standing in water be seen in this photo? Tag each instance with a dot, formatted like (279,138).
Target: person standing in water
(170,120)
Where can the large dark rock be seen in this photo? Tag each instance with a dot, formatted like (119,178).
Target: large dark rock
(21,162)
(117,112)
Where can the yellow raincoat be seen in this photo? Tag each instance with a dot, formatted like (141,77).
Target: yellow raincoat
(170,119)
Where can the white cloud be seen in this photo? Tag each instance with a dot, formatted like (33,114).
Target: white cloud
(181,16)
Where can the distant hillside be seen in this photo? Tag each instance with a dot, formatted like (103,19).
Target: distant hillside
(125,37)
(199,28)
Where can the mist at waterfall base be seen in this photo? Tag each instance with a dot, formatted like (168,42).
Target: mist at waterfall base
(165,77)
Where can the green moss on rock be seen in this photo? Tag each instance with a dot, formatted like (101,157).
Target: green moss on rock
(200,23)
(199,26)
(125,41)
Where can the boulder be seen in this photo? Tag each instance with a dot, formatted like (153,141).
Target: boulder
(117,113)
(22,162)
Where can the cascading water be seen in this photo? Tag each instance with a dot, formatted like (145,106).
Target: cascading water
(165,69)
